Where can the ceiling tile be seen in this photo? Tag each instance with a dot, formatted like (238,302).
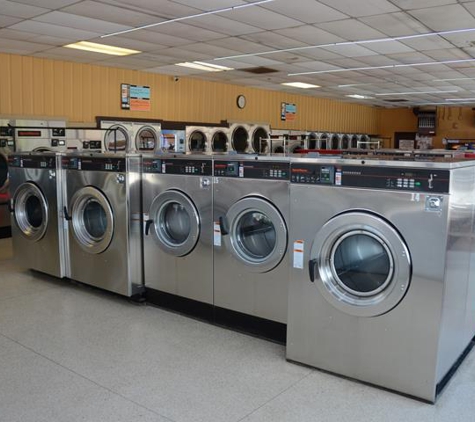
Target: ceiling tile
(19,10)
(135,62)
(187,31)
(184,55)
(427,43)
(351,50)
(257,61)
(49,4)
(262,18)
(310,35)
(308,11)
(449,54)
(362,8)
(8,20)
(351,29)
(209,5)
(389,47)
(272,39)
(238,44)
(212,51)
(24,36)
(163,8)
(161,40)
(80,22)
(419,4)
(21,47)
(444,18)
(396,24)
(319,54)
(124,42)
(94,9)
(54,30)
(224,25)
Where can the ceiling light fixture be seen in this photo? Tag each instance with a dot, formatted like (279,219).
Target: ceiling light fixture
(101,48)
(415,93)
(346,43)
(198,15)
(204,66)
(302,85)
(391,66)
(359,97)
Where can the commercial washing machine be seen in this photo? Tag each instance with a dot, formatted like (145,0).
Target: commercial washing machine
(119,136)
(37,230)
(251,211)
(147,137)
(240,137)
(198,138)
(103,212)
(178,240)
(6,148)
(259,138)
(382,276)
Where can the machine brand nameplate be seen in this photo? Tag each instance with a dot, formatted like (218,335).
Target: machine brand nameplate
(392,178)
(188,167)
(268,170)
(32,162)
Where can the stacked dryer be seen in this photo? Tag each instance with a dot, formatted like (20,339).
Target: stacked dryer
(130,136)
(6,148)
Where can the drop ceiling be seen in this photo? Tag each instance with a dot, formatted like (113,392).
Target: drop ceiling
(436,67)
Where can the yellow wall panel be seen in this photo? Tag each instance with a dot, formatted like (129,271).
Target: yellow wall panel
(80,92)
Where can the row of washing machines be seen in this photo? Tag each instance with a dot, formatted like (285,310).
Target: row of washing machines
(367,261)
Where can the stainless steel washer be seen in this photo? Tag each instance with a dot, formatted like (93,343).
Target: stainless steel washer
(36,227)
(177,202)
(104,214)
(382,284)
(251,210)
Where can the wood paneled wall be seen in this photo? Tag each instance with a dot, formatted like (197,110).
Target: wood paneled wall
(40,87)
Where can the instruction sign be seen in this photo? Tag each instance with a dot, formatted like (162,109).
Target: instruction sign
(288,112)
(134,97)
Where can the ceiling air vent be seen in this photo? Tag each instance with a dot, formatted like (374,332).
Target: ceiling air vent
(259,70)
(396,100)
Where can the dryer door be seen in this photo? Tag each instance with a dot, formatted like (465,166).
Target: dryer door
(257,234)
(175,222)
(31,211)
(146,139)
(116,139)
(364,266)
(92,220)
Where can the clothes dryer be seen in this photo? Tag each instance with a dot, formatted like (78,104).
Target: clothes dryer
(103,212)
(147,137)
(40,135)
(220,140)
(251,210)
(382,284)
(240,137)
(335,141)
(119,137)
(198,139)
(178,241)
(345,141)
(37,230)
(323,141)
(6,148)
(259,135)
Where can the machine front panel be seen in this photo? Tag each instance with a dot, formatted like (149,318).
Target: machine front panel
(110,164)
(392,178)
(187,167)
(32,162)
(266,170)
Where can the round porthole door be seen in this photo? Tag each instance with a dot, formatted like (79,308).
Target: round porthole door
(31,211)
(364,265)
(116,139)
(257,234)
(146,139)
(92,220)
(175,222)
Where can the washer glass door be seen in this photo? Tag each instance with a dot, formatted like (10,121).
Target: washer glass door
(257,234)
(175,222)
(146,139)
(31,211)
(92,220)
(116,139)
(364,266)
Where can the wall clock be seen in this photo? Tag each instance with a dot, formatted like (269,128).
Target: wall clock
(241,101)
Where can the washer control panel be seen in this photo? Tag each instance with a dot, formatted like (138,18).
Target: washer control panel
(109,164)
(392,178)
(267,170)
(32,161)
(151,165)
(187,167)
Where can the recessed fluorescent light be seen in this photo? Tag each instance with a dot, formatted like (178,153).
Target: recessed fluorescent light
(416,93)
(346,43)
(359,97)
(452,79)
(102,48)
(391,66)
(459,99)
(300,85)
(198,15)
(204,66)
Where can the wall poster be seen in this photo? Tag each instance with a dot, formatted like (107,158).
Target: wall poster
(288,112)
(134,97)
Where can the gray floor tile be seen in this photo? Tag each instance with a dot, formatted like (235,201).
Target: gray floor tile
(325,397)
(37,390)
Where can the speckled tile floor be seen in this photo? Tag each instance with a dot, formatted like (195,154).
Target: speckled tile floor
(72,353)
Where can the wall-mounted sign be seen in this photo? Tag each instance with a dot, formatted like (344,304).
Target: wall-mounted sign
(134,97)
(288,112)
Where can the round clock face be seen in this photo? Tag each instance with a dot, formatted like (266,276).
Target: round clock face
(241,101)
